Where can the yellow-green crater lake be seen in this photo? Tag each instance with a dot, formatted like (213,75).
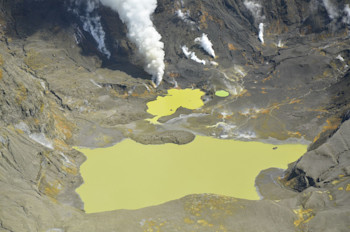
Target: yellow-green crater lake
(174,99)
(130,175)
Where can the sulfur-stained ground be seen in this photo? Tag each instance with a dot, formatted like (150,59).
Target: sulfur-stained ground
(56,93)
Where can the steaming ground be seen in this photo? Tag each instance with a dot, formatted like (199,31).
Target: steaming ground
(87,13)
(142,32)
(206,44)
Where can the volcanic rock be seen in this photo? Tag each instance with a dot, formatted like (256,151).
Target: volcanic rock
(59,91)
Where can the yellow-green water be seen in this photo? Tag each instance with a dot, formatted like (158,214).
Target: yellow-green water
(222,93)
(175,98)
(131,175)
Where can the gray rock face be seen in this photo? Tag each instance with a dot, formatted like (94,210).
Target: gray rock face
(58,90)
(177,137)
(322,179)
(36,184)
(328,163)
(297,62)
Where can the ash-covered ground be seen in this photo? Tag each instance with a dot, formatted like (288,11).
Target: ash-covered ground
(73,74)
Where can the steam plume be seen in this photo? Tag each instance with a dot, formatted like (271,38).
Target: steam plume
(192,55)
(334,12)
(331,9)
(206,44)
(185,16)
(254,8)
(136,15)
(261,32)
(91,22)
(346,18)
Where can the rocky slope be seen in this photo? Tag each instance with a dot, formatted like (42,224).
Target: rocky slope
(58,90)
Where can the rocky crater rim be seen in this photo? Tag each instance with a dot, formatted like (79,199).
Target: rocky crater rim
(57,91)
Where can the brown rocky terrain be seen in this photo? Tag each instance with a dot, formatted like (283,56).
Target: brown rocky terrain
(57,91)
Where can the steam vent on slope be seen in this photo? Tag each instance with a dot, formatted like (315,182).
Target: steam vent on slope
(174,116)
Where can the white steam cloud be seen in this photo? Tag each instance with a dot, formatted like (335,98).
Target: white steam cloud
(254,8)
(280,44)
(346,18)
(335,13)
(192,55)
(339,57)
(136,15)
(206,44)
(182,15)
(91,22)
(185,16)
(261,32)
(331,9)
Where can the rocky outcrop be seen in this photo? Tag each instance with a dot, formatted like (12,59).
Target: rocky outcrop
(36,184)
(324,165)
(177,137)
(299,36)
(58,90)
(320,182)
